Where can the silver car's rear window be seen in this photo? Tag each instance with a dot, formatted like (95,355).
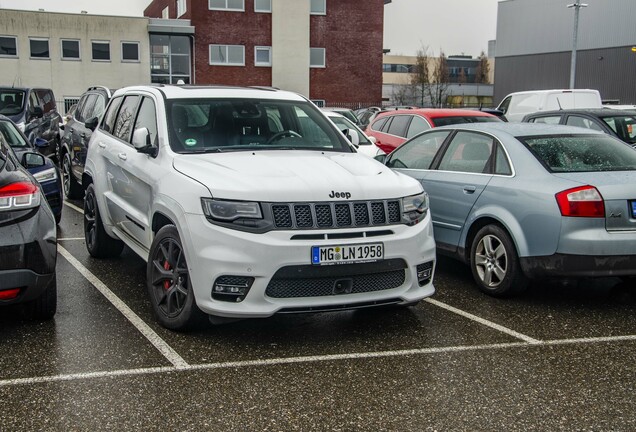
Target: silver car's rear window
(581,153)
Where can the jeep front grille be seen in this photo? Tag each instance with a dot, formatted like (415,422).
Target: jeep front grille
(336,215)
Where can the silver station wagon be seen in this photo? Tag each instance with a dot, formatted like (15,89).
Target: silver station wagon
(525,201)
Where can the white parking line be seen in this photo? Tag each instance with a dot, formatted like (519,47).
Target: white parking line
(74,207)
(139,324)
(70,238)
(483,321)
(312,359)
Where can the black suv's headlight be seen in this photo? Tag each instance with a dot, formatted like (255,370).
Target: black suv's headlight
(415,207)
(229,211)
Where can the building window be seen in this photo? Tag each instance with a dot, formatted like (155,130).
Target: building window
(318,7)
(8,46)
(70,49)
(262,5)
(227,55)
(262,56)
(169,59)
(233,5)
(130,51)
(165,13)
(101,50)
(181,7)
(317,57)
(39,48)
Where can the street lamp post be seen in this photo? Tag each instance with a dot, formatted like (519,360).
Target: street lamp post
(577,5)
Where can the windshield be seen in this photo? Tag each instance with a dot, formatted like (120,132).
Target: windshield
(445,121)
(216,125)
(582,153)
(344,123)
(623,126)
(11,101)
(11,135)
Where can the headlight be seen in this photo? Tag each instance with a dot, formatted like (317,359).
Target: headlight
(415,207)
(21,126)
(228,211)
(46,175)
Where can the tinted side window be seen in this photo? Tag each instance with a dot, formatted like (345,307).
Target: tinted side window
(468,152)
(502,166)
(98,108)
(86,109)
(418,124)
(47,100)
(377,125)
(111,115)
(548,120)
(33,101)
(399,124)
(419,152)
(125,118)
(147,118)
(387,124)
(582,122)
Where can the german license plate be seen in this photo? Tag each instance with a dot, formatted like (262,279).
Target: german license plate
(634,209)
(347,254)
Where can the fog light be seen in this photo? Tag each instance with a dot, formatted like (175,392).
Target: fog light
(231,288)
(424,272)
(9,294)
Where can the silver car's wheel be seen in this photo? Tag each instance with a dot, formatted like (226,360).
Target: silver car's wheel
(491,261)
(495,264)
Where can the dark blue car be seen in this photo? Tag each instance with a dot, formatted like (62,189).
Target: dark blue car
(47,175)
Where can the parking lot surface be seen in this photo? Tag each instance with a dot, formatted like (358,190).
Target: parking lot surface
(558,357)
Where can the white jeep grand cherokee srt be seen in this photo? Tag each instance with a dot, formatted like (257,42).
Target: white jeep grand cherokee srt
(248,202)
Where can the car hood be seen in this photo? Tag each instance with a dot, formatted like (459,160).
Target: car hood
(277,176)
(611,184)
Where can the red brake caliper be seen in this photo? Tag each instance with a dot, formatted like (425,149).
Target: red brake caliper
(166,283)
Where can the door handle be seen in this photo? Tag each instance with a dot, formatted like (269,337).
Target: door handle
(469,189)
(122,156)
(101,144)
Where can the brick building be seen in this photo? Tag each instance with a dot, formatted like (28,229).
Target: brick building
(328,50)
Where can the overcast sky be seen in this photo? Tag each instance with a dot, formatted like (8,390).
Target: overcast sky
(454,26)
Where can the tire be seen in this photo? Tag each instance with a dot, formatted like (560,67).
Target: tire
(44,307)
(98,243)
(72,188)
(169,285)
(495,264)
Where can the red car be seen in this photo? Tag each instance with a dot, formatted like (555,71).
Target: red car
(392,128)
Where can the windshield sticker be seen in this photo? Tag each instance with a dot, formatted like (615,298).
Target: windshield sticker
(190,142)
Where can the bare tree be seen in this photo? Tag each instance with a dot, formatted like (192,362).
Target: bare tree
(420,75)
(439,82)
(483,69)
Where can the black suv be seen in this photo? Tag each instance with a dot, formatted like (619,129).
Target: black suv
(28,242)
(35,113)
(77,133)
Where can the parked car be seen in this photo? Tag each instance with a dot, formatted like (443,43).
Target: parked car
(367,115)
(362,142)
(47,174)
(526,201)
(620,124)
(516,105)
(249,202)
(28,242)
(392,128)
(77,134)
(348,113)
(34,111)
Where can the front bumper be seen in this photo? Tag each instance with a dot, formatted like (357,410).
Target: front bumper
(213,251)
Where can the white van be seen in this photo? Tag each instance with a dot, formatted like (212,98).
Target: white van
(516,105)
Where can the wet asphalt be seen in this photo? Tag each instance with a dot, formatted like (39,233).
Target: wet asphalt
(557,357)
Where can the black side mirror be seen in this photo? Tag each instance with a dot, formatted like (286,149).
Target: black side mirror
(91,123)
(32,160)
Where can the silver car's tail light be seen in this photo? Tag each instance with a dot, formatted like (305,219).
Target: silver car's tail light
(19,196)
(583,201)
